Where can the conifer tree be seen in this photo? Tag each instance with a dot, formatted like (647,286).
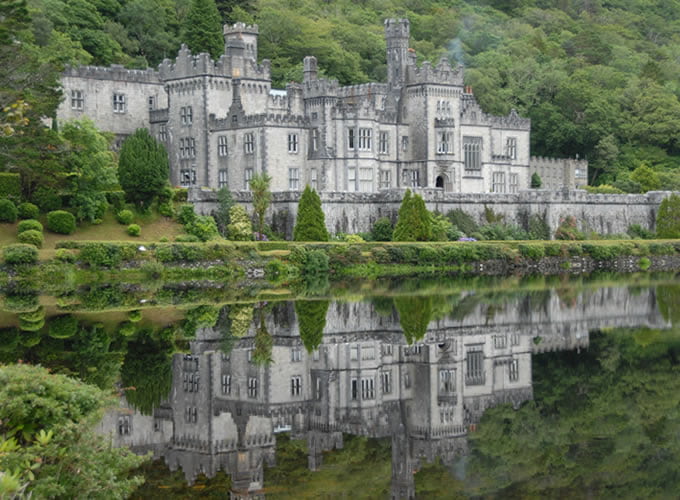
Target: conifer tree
(668,218)
(202,29)
(143,168)
(536,181)
(310,224)
(311,315)
(415,221)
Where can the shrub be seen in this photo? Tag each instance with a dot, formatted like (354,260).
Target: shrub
(463,221)
(127,329)
(64,255)
(534,252)
(276,270)
(61,222)
(125,217)
(46,198)
(10,185)
(134,230)
(8,211)
(567,229)
(441,228)
(20,253)
(21,302)
(603,189)
(63,327)
(181,194)
(166,194)
(152,270)
(668,218)
(538,228)
(166,209)
(353,238)
(29,225)
(135,316)
(316,263)
(116,199)
(28,211)
(382,230)
(536,181)
(186,214)
(187,238)
(380,255)
(106,254)
(644,263)
(310,224)
(240,228)
(31,237)
(637,231)
(203,227)
(553,249)
(661,249)
(428,255)
(143,167)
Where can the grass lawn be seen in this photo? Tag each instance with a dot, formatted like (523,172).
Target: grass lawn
(154,227)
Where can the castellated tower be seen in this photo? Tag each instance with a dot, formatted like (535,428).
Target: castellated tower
(247,34)
(397,32)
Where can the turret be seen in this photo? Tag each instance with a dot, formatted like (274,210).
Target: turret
(397,33)
(310,69)
(245,33)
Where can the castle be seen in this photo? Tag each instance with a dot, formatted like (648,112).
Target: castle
(222,122)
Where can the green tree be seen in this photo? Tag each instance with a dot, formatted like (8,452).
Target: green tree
(536,181)
(668,218)
(143,168)
(221,215)
(262,197)
(310,224)
(240,228)
(202,28)
(646,177)
(311,315)
(264,342)
(415,221)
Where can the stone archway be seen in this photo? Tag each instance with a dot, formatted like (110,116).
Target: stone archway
(439,182)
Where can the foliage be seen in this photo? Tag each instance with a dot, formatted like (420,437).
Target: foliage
(221,214)
(64,255)
(61,222)
(48,423)
(637,231)
(203,227)
(310,224)
(31,237)
(20,254)
(143,167)
(538,228)
(29,224)
(382,230)
(415,222)
(668,218)
(264,342)
(463,221)
(10,185)
(134,230)
(240,227)
(28,210)
(415,314)
(262,197)
(107,255)
(8,211)
(202,28)
(125,217)
(63,327)
(186,214)
(442,229)
(603,189)
(311,316)
(536,181)
(567,229)
(647,178)
(240,317)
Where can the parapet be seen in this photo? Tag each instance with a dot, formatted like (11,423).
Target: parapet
(443,73)
(187,65)
(397,29)
(236,28)
(115,72)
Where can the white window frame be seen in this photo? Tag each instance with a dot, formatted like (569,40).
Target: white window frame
(247,177)
(294,179)
(296,385)
(293,140)
(186,115)
(295,355)
(163,133)
(498,182)
(249,143)
(367,388)
(119,103)
(386,381)
(513,370)
(404,143)
(365,139)
(222,146)
(226,384)
(447,380)
(511,147)
(385,179)
(514,183)
(366,180)
(222,178)
(252,387)
(383,142)
(77,100)
(444,142)
(187,177)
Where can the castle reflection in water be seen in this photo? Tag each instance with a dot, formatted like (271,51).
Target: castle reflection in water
(224,410)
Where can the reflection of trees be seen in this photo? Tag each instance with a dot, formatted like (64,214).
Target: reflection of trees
(311,316)
(147,370)
(262,354)
(605,421)
(415,314)
(240,317)
(94,360)
(668,299)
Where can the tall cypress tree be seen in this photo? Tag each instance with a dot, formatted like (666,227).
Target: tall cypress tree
(143,168)
(311,315)
(415,221)
(202,29)
(310,224)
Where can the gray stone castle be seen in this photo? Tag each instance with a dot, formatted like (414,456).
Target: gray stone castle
(222,122)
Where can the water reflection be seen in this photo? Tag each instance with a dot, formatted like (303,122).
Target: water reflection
(419,370)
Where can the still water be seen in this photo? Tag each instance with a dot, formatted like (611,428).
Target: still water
(515,388)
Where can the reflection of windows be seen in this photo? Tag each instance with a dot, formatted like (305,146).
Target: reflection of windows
(513,370)
(295,386)
(472,153)
(222,149)
(367,388)
(124,425)
(292,143)
(77,100)
(226,384)
(514,183)
(252,387)
(365,139)
(447,380)
(191,414)
(474,363)
(386,381)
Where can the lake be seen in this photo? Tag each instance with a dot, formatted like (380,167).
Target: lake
(415,388)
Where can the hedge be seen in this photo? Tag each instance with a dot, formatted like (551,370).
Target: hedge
(107,255)
(10,185)
(125,217)
(28,211)
(8,211)
(20,253)
(31,237)
(134,230)
(29,225)
(60,221)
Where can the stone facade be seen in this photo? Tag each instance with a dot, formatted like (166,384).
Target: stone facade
(560,173)
(222,122)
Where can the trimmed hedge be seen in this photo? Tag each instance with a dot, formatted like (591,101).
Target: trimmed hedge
(108,255)
(8,211)
(20,253)
(29,225)
(125,217)
(10,185)
(134,230)
(28,211)
(31,237)
(61,222)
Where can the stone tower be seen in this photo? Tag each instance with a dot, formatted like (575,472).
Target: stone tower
(245,33)
(397,36)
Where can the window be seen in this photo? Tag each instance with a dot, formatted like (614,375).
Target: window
(383,143)
(368,352)
(292,143)
(248,177)
(514,339)
(187,177)
(313,179)
(411,178)
(294,179)
(191,382)
(474,374)
(447,381)
(187,147)
(513,370)
(124,425)
(365,135)
(366,180)
(295,354)
(387,349)
(385,179)
(77,101)
(355,389)
(444,143)
(315,139)
(443,108)
(163,133)
(249,143)
(152,102)
(498,182)
(119,103)
(511,148)
(317,389)
(500,341)
(472,153)
(186,115)
(407,380)
(404,143)
(226,384)
(386,381)
(514,183)
(350,138)
(222,179)
(367,388)
(190,414)
(295,386)
(222,148)
(252,387)
(354,353)
(351,179)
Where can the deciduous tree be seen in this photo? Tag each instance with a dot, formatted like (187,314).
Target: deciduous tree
(143,168)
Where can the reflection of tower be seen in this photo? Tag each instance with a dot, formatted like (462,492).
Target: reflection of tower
(403,466)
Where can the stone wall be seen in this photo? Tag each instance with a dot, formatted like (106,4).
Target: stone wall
(357,212)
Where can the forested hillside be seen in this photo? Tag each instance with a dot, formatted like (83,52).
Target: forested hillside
(599,79)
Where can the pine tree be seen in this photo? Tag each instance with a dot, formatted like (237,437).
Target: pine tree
(536,181)
(311,315)
(310,224)
(415,221)
(202,29)
(143,168)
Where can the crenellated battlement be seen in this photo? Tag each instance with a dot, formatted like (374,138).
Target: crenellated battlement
(545,160)
(442,73)
(115,72)
(396,29)
(188,65)
(260,120)
(363,89)
(239,27)
(320,88)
